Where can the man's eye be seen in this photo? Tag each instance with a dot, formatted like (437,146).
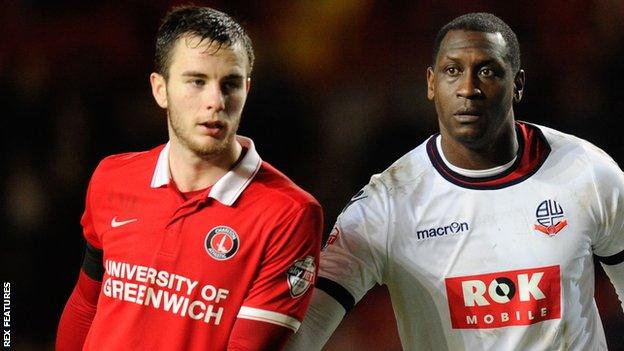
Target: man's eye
(486,72)
(230,86)
(452,71)
(198,82)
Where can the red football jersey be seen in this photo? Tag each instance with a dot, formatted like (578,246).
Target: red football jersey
(179,273)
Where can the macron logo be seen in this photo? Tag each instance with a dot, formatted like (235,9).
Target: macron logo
(453,228)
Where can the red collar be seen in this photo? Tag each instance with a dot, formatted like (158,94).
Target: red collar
(533,149)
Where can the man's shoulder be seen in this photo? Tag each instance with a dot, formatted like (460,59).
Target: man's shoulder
(273,186)
(397,181)
(408,169)
(563,144)
(566,148)
(127,165)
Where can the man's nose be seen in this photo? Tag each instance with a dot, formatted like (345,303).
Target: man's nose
(214,98)
(469,87)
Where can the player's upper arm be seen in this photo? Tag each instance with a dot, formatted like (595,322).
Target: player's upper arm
(87,222)
(609,242)
(281,292)
(609,182)
(97,187)
(355,257)
(250,335)
(323,317)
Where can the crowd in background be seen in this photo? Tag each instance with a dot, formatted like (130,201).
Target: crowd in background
(338,93)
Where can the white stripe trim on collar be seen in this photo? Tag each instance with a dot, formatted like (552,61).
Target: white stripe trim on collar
(227,189)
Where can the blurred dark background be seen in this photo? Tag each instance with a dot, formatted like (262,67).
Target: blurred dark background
(338,94)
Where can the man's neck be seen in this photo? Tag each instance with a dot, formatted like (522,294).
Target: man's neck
(498,152)
(193,172)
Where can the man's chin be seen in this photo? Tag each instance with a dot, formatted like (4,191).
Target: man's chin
(208,148)
(473,138)
(211,150)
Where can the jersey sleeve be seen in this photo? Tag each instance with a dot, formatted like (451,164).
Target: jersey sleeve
(250,335)
(88,227)
(609,183)
(78,314)
(281,292)
(92,221)
(354,259)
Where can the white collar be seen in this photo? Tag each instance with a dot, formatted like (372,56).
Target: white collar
(473,173)
(229,187)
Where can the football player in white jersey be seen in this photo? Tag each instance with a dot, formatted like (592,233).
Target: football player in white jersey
(485,233)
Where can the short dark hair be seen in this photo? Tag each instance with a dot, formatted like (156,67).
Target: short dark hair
(482,22)
(203,22)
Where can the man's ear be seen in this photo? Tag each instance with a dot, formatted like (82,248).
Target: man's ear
(430,83)
(519,81)
(248,84)
(159,89)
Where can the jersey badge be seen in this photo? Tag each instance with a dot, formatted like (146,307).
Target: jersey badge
(300,276)
(550,218)
(333,236)
(222,243)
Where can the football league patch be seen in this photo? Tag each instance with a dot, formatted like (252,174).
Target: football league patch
(222,243)
(550,218)
(300,276)
(333,236)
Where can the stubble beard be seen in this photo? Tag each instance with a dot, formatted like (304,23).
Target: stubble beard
(203,150)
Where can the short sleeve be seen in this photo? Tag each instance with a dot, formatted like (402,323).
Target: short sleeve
(609,184)
(281,292)
(355,255)
(88,227)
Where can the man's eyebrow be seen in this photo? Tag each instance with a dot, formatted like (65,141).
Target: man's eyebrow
(194,74)
(487,61)
(234,76)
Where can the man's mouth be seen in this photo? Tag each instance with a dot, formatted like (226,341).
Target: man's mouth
(467,115)
(213,128)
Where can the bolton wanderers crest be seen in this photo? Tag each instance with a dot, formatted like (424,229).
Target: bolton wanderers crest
(300,276)
(222,243)
(550,218)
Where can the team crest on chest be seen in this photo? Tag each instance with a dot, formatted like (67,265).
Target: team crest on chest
(550,218)
(300,276)
(222,243)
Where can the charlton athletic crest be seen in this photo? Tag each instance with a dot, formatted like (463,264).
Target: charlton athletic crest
(222,243)
(550,218)
(300,276)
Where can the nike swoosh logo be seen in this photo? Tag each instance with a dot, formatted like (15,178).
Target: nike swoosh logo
(115,223)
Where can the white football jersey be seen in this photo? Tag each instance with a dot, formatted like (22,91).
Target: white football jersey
(497,263)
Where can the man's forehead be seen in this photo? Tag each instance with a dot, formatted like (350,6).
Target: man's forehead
(461,40)
(205,45)
(193,47)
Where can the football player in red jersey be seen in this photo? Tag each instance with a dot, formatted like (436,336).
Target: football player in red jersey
(197,244)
